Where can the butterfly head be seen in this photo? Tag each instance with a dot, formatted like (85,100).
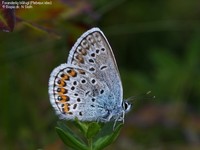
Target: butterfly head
(126,106)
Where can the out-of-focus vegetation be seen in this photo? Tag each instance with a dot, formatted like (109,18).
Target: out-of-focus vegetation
(157,47)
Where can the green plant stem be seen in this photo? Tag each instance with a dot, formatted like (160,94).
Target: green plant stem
(90,143)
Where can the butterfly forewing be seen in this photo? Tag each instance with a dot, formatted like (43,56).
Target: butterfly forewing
(93,53)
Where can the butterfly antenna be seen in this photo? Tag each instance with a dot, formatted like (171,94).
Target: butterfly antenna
(146,95)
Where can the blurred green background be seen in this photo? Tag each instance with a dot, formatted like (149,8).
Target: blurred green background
(157,48)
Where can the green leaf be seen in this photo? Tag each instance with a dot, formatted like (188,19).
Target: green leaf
(64,127)
(69,138)
(93,129)
(106,136)
(82,126)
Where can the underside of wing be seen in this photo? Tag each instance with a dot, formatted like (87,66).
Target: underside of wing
(93,53)
(75,92)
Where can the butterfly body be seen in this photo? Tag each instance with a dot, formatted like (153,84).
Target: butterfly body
(88,86)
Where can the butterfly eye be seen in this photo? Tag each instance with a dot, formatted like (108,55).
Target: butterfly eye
(126,106)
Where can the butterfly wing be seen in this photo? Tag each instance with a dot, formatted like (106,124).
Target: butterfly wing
(93,53)
(73,94)
(89,83)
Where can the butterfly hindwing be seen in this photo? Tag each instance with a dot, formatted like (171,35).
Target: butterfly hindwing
(77,93)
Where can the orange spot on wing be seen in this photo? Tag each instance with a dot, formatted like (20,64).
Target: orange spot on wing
(83,51)
(73,73)
(61,83)
(64,98)
(65,108)
(80,58)
(65,77)
(63,91)
(81,72)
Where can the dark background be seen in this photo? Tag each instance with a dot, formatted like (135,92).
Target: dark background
(157,48)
